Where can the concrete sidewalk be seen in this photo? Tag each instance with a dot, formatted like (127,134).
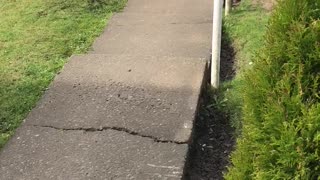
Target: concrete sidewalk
(126,109)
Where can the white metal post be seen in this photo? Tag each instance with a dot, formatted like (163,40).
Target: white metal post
(228,5)
(216,43)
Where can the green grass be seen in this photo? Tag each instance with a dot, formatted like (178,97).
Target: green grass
(244,29)
(36,39)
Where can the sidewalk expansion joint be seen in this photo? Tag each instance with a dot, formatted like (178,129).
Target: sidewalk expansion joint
(120,129)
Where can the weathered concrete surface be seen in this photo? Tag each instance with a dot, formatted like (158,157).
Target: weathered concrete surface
(152,96)
(159,28)
(168,19)
(191,7)
(181,40)
(46,153)
(125,111)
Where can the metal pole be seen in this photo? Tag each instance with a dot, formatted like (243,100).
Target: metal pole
(216,43)
(228,5)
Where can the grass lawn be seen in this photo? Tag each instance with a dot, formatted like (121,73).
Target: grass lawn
(36,39)
(244,29)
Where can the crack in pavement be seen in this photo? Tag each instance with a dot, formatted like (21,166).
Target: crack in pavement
(121,129)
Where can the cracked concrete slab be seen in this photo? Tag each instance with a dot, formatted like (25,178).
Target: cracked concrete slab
(153,96)
(46,153)
(126,110)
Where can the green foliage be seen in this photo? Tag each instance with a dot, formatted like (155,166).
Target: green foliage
(281,104)
(244,30)
(36,39)
(245,27)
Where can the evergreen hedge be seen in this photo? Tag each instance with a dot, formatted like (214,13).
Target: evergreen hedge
(281,101)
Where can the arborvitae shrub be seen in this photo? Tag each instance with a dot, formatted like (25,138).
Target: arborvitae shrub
(281,100)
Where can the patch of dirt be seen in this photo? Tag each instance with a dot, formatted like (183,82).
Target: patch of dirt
(212,144)
(227,61)
(213,139)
